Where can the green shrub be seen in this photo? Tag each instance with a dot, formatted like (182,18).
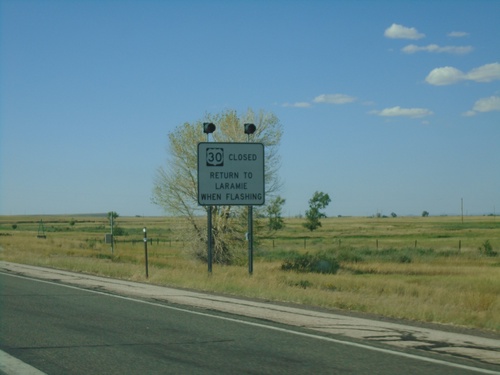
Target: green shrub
(304,284)
(103,256)
(405,259)
(349,255)
(91,243)
(487,249)
(119,231)
(318,263)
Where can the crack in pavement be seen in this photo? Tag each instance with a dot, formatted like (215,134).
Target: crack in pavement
(52,347)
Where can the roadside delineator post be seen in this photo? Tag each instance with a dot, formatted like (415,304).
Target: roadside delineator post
(146,251)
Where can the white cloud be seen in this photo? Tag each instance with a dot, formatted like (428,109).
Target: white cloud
(487,104)
(444,76)
(412,48)
(485,73)
(457,34)
(403,112)
(484,105)
(297,105)
(469,114)
(324,98)
(396,31)
(448,75)
(334,99)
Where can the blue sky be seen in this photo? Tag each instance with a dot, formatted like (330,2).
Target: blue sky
(387,106)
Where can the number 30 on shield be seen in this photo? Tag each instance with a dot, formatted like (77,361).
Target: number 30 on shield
(215,157)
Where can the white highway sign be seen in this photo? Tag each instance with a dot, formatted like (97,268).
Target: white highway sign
(231,174)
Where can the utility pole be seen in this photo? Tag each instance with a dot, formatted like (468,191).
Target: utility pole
(462,200)
(112,238)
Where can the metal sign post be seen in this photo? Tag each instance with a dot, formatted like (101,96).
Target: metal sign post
(250,240)
(209,239)
(209,128)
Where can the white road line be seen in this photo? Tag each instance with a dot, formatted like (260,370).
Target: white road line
(12,366)
(309,335)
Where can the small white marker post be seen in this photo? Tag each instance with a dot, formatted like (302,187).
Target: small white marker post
(146,250)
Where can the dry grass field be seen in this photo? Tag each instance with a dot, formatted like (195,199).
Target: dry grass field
(431,269)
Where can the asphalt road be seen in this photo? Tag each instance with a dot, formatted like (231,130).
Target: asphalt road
(61,329)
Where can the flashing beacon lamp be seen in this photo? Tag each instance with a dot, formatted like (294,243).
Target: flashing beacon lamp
(250,128)
(208,128)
